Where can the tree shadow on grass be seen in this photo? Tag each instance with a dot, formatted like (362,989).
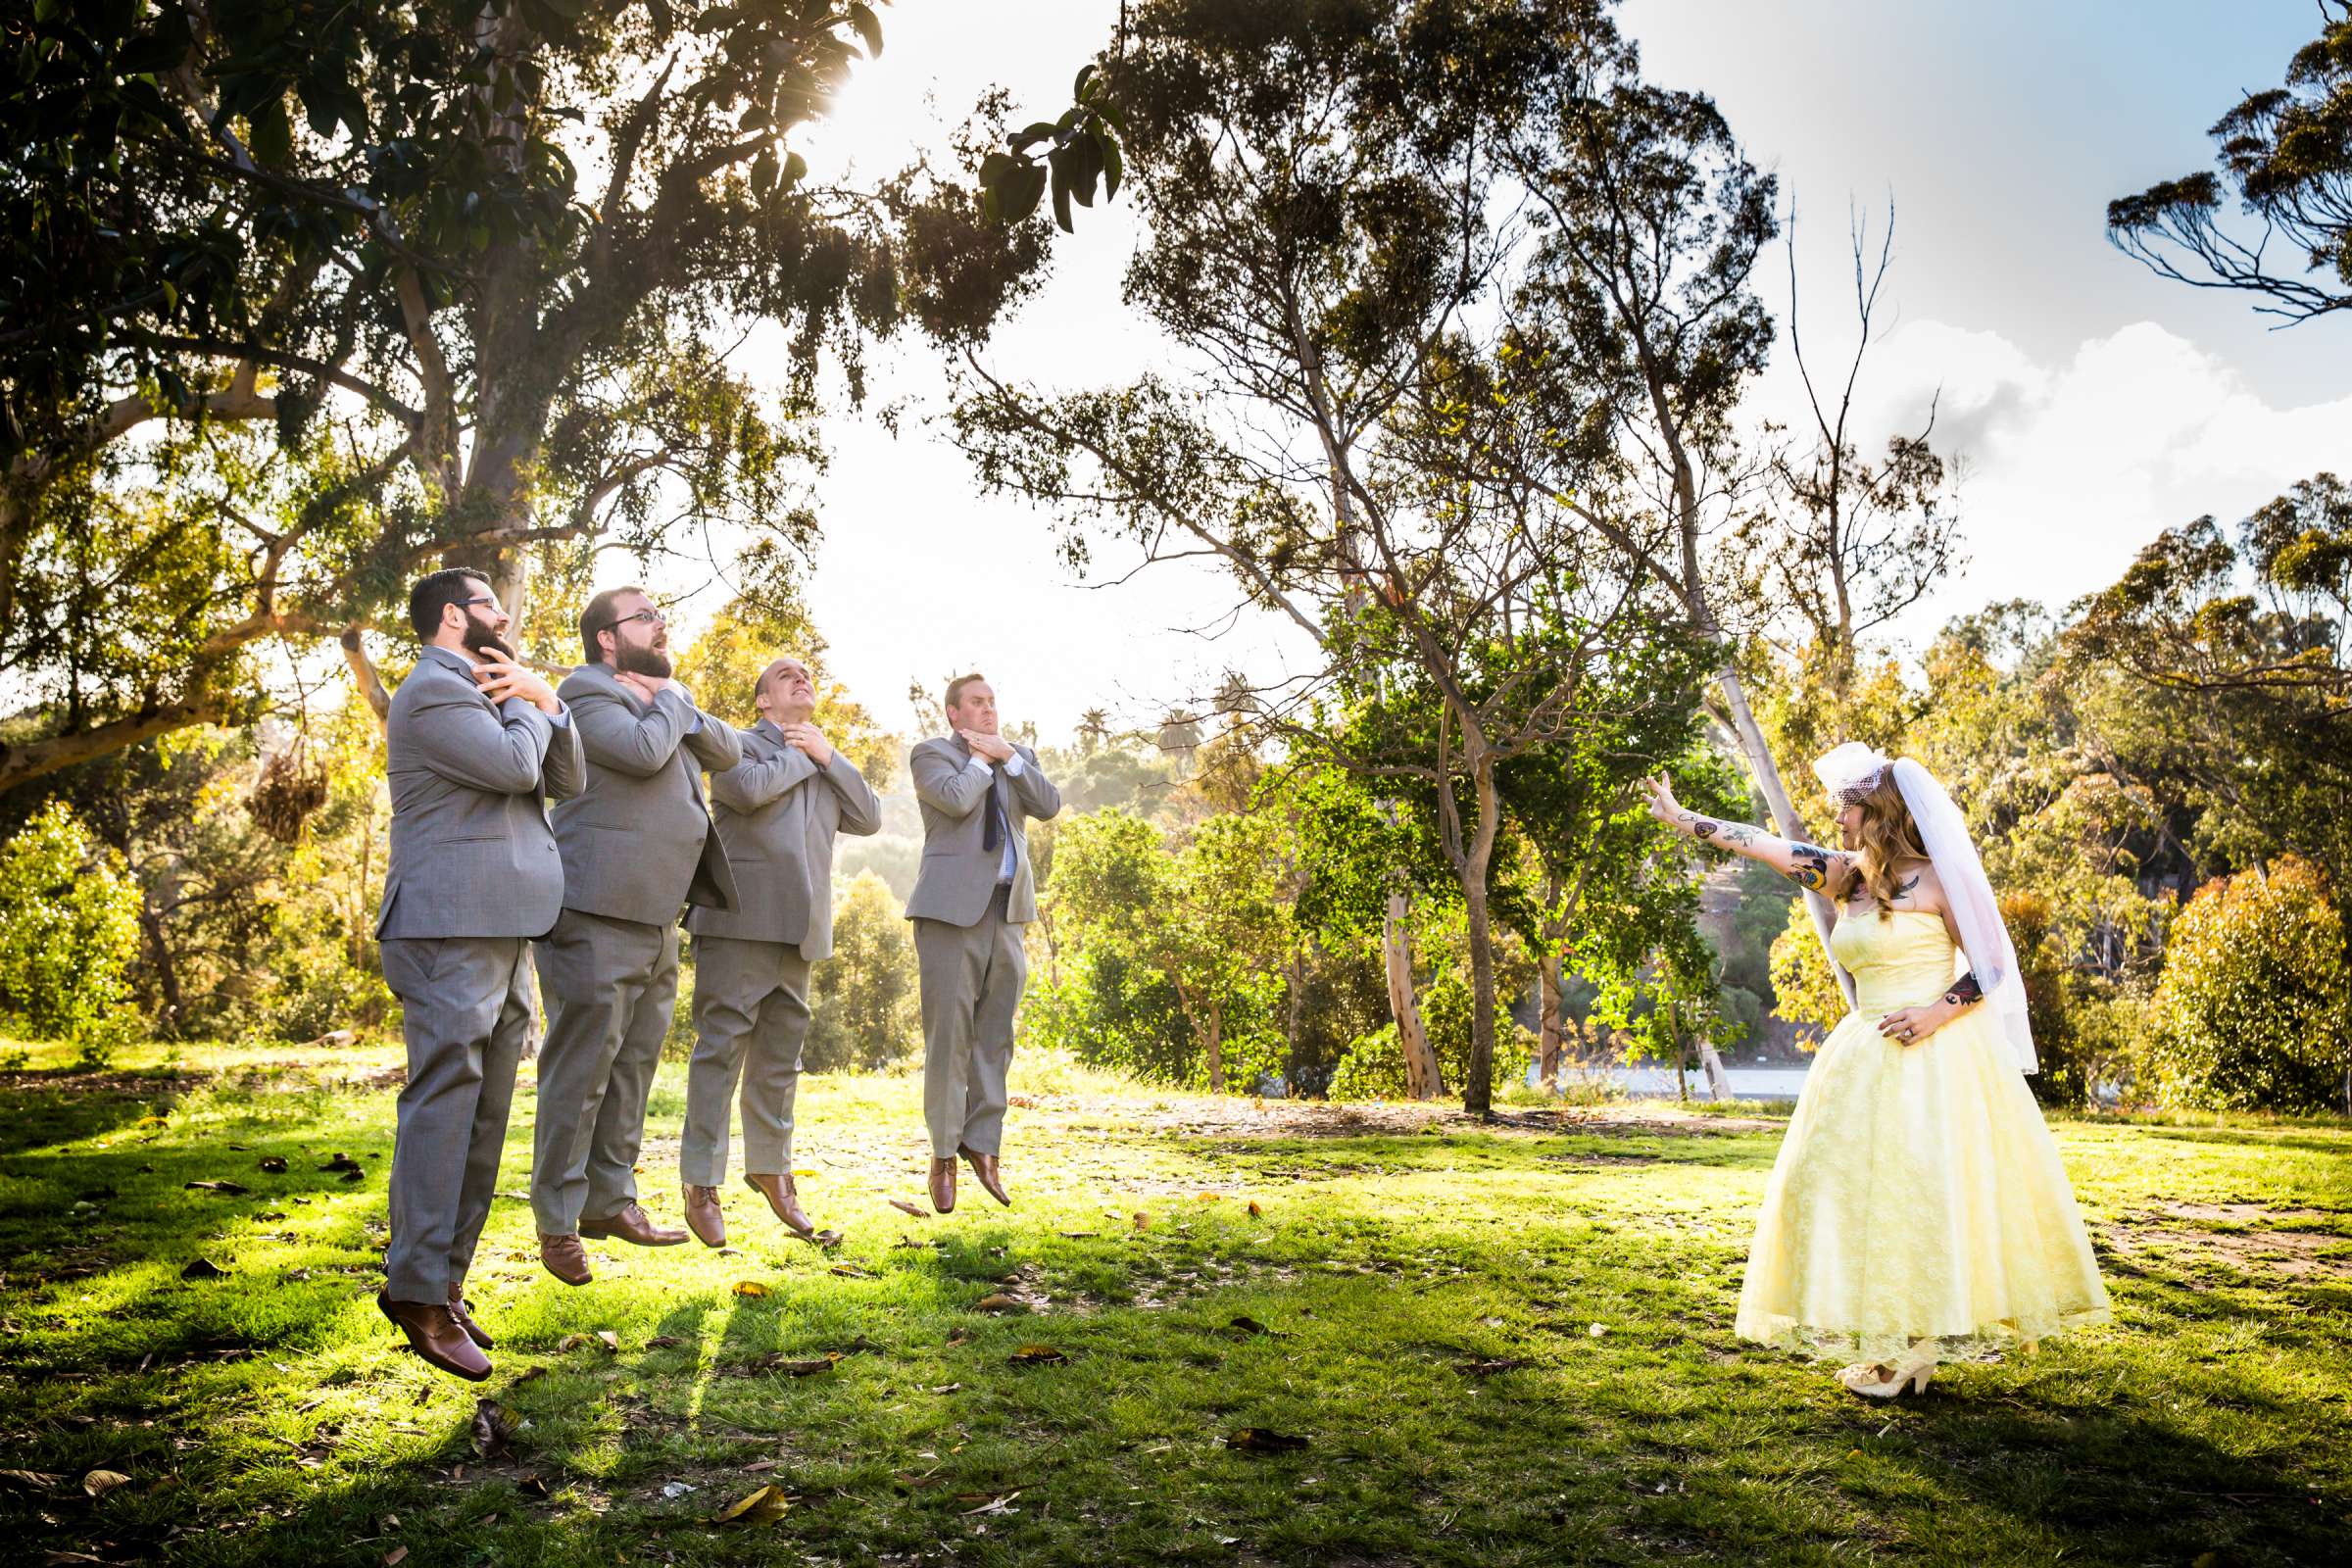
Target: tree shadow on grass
(2120,1482)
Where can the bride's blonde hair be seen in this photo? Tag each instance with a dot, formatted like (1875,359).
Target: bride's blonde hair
(1888,837)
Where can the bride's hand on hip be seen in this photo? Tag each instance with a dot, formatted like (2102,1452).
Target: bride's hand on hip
(1911,1026)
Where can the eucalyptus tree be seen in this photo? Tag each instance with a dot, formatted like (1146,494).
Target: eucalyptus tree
(1332,243)
(466,273)
(2285,154)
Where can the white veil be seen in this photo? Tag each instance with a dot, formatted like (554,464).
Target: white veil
(1943,834)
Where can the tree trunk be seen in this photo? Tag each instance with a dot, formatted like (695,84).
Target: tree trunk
(365,675)
(1719,1081)
(1216,1049)
(1776,800)
(1478,1094)
(167,971)
(1550,1006)
(1422,1079)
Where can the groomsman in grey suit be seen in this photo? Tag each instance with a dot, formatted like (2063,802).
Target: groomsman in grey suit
(637,843)
(971,899)
(777,812)
(472,745)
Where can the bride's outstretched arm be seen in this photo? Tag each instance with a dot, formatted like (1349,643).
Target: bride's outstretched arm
(1829,871)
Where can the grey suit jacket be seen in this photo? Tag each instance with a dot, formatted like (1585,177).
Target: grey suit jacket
(959,877)
(639,842)
(473,855)
(777,812)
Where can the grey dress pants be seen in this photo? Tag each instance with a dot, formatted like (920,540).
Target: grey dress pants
(751,1019)
(464,1009)
(972,978)
(611,988)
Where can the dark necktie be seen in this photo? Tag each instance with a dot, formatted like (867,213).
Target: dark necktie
(992,832)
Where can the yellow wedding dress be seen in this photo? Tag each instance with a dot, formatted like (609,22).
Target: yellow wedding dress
(1918,1195)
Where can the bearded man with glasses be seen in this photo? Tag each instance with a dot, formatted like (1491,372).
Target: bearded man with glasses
(637,844)
(474,744)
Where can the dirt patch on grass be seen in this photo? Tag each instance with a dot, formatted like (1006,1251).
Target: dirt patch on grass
(2248,1239)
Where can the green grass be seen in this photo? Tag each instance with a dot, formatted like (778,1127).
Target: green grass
(1430,1284)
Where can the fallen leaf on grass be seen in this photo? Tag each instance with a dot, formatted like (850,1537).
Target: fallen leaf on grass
(1037,1355)
(1598,1330)
(396,1556)
(915,1483)
(1143,1221)
(945,1388)
(749,1288)
(1266,1440)
(1256,1211)
(1208,1197)
(226,1189)
(998,1302)
(990,1502)
(959,1336)
(1251,1326)
(850,1271)
(70,1560)
(904,1207)
(1079,1236)
(274,1164)
(30,1480)
(98,1483)
(527,1374)
(764,1505)
(776,1362)
(1480,1369)
(610,1340)
(663,1341)
(344,1163)
(532,1486)
(203,1268)
(493,1429)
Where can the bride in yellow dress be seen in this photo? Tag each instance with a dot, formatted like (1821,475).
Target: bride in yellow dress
(1918,1205)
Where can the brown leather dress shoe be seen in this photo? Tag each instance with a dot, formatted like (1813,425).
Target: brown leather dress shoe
(461,1311)
(564,1259)
(785,1199)
(943,1185)
(632,1225)
(703,1217)
(985,1173)
(435,1336)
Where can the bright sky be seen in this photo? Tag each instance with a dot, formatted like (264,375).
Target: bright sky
(2093,403)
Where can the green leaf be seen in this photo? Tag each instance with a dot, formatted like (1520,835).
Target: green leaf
(1021,194)
(861,17)
(1085,73)
(1113,165)
(272,133)
(796,168)
(1062,194)
(1041,131)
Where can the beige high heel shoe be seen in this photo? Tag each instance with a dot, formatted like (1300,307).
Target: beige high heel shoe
(1877,1381)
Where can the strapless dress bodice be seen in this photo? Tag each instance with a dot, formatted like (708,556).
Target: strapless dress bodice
(1900,960)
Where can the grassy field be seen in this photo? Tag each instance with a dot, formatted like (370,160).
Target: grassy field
(1501,1344)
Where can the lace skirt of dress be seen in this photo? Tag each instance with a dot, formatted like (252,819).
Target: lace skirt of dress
(1918,1195)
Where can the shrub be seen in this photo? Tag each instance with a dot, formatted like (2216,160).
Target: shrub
(864,1001)
(69,932)
(2252,1013)
(1804,986)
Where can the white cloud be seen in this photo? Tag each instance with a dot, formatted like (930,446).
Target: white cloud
(2070,467)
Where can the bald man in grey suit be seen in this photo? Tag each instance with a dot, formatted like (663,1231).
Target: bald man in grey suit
(777,812)
(473,745)
(972,898)
(638,842)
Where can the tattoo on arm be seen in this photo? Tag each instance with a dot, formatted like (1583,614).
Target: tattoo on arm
(1808,866)
(1965,991)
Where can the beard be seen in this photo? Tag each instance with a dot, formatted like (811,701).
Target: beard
(647,660)
(480,639)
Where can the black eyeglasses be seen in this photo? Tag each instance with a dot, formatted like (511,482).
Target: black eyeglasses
(650,617)
(467,603)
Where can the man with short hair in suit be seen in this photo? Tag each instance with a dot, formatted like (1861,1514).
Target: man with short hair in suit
(971,899)
(638,844)
(474,744)
(777,812)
